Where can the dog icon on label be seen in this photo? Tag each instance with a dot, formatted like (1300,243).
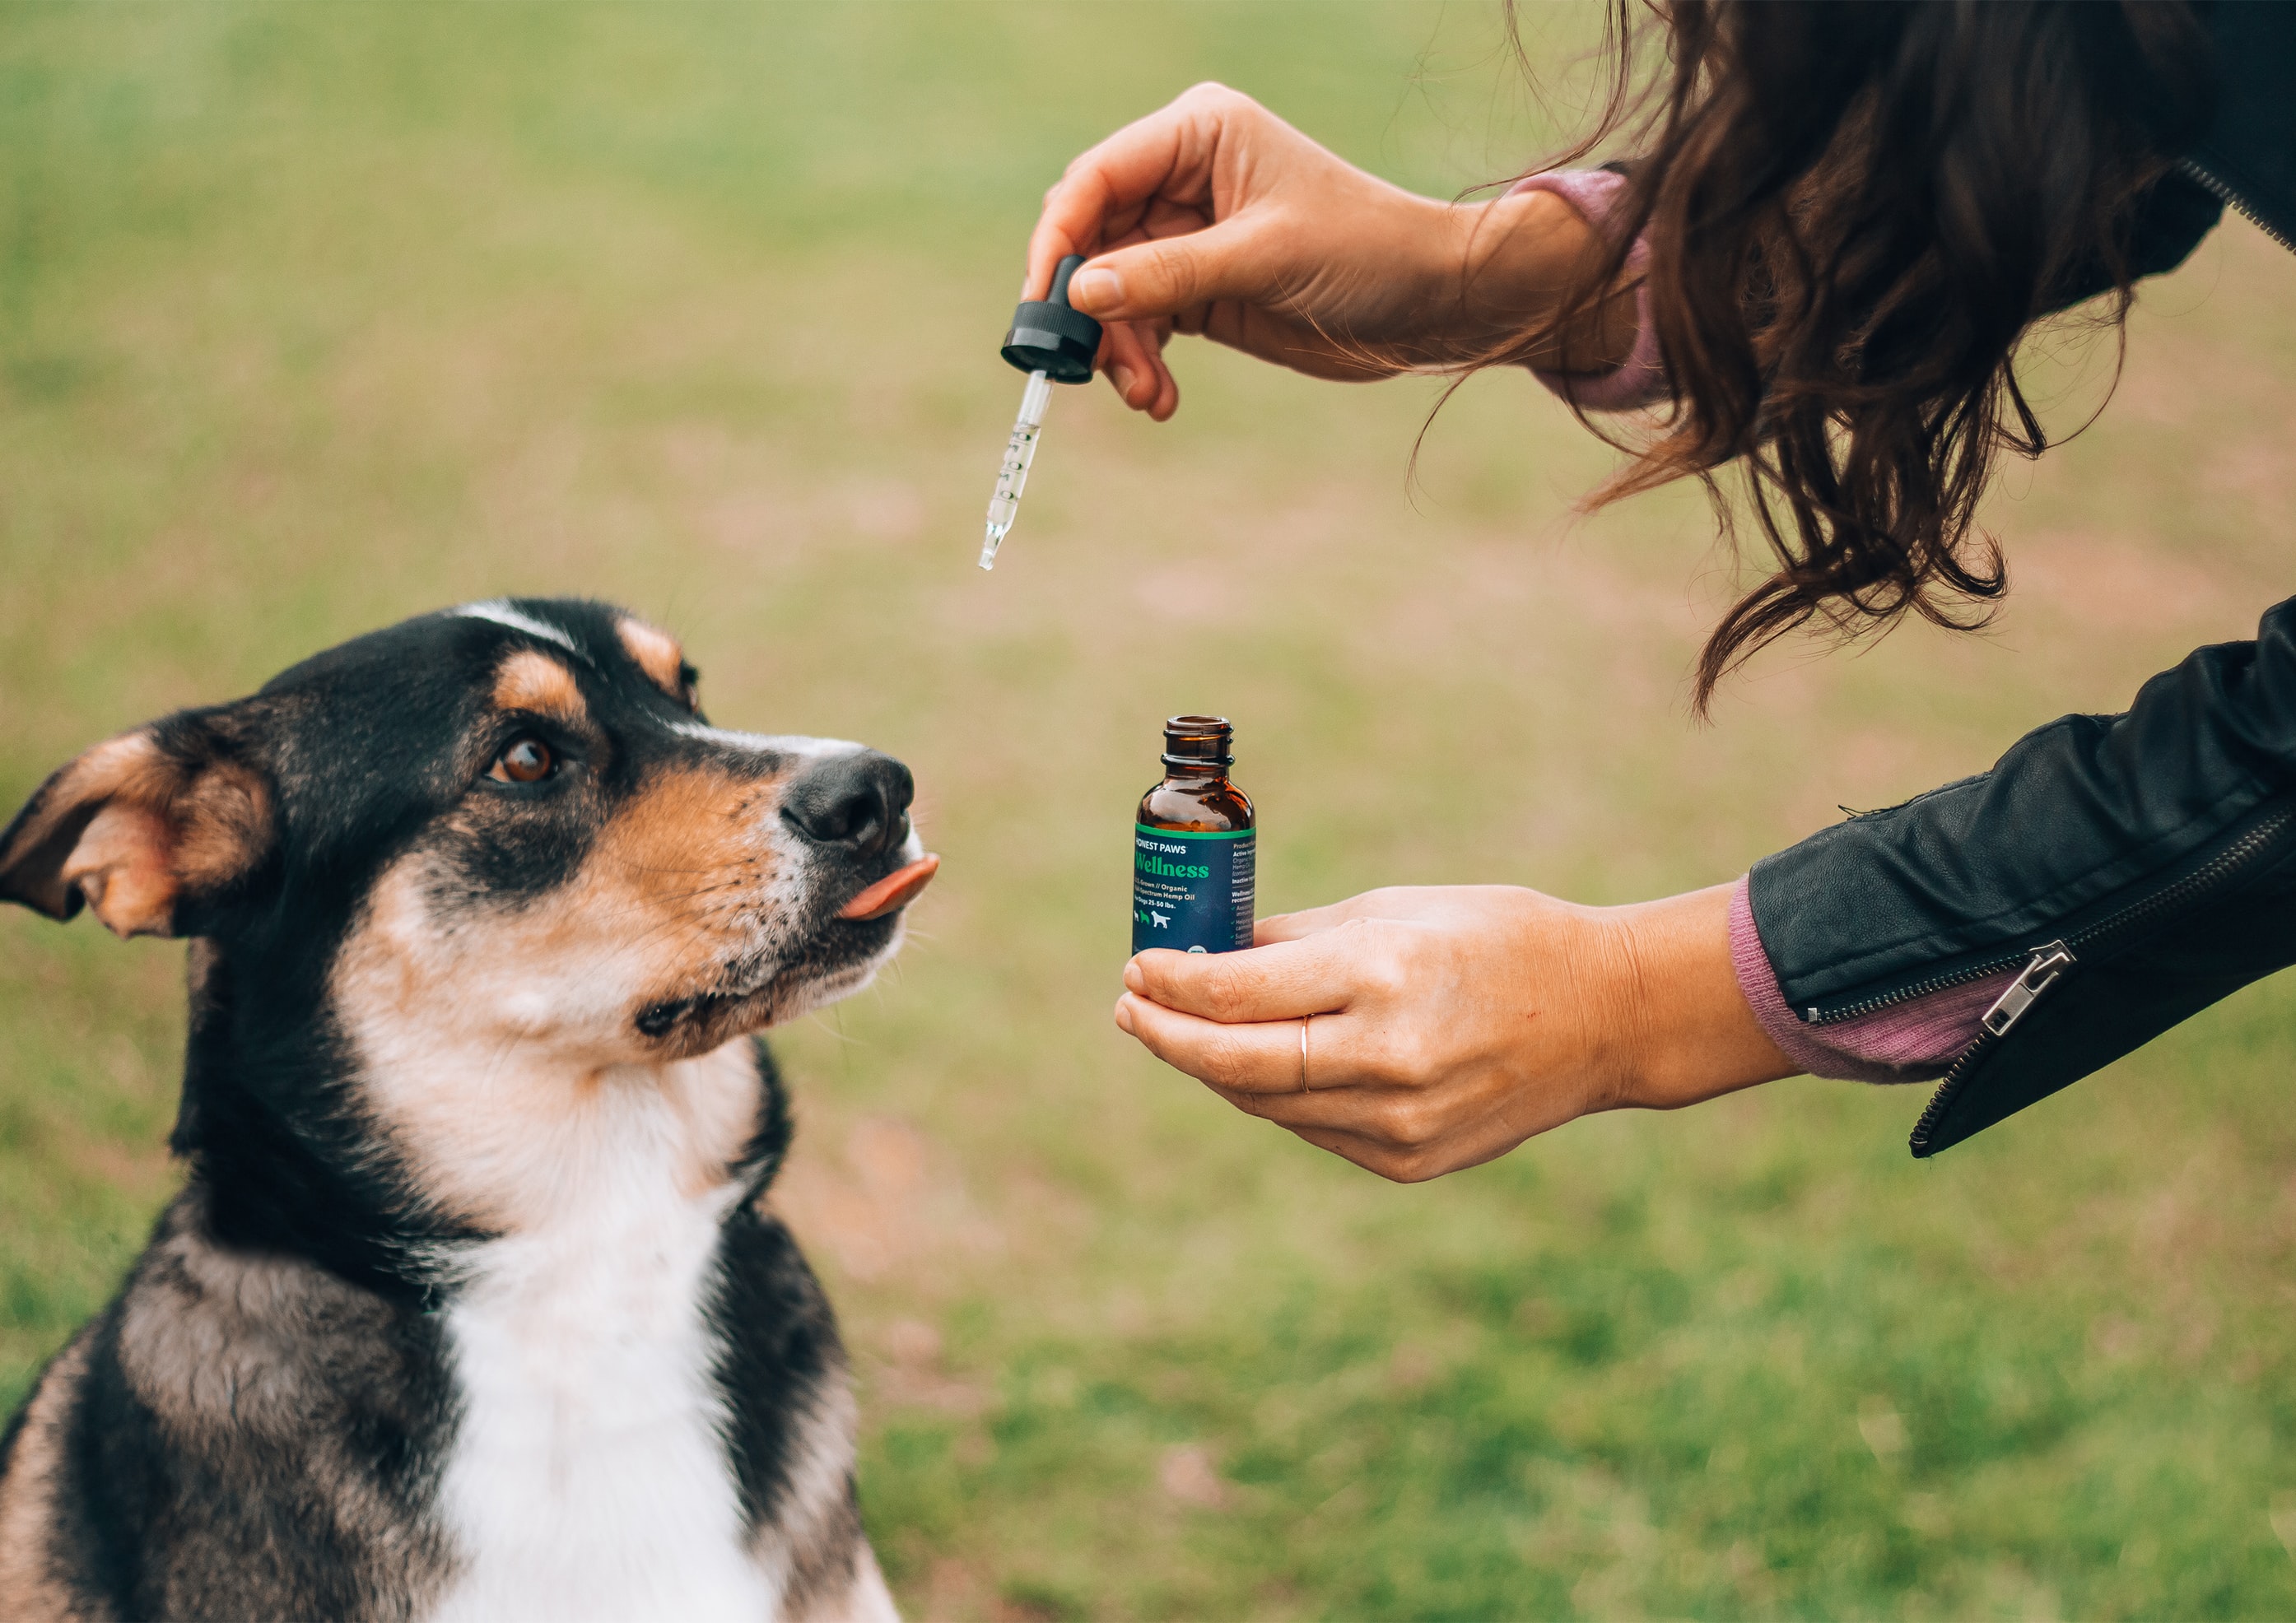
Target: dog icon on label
(1160,919)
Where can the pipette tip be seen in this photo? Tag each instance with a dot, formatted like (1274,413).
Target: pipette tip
(989,545)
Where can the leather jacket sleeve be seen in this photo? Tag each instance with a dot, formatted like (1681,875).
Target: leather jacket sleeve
(2130,870)
(2138,866)
(2164,226)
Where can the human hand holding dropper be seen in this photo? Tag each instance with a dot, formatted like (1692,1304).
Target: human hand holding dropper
(1213,216)
(1413,1031)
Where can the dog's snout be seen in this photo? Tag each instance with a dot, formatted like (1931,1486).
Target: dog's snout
(860,801)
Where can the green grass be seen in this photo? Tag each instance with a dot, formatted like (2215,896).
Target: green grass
(314,318)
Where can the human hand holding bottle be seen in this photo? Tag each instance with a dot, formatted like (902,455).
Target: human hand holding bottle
(1212,216)
(1447,1024)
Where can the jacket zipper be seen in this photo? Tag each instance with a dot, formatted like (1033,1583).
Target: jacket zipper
(2039,975)
(2237,204)
(1816,1016)
(2046,966)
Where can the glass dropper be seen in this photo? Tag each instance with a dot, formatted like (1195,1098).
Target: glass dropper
(1013,478)
(1053,343)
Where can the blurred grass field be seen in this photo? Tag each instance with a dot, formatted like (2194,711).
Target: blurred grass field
(313,317)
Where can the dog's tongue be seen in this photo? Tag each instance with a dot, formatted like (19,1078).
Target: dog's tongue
(896,889)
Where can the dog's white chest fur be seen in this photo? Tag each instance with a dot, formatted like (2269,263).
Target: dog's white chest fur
(586,1478)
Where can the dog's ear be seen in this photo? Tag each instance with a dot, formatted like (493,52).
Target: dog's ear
(139,826)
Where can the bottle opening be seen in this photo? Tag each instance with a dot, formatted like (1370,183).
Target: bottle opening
(1198,740)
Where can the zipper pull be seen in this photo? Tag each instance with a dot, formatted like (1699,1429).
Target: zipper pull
(2037,978)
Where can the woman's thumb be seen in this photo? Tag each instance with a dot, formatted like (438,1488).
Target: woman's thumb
(1168,276)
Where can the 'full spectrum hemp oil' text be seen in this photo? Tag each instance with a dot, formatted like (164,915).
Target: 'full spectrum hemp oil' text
(1192,845)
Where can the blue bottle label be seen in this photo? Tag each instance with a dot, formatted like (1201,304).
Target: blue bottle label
(1191,891)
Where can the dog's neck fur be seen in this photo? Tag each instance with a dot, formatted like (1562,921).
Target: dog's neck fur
(564,1222)
(587,1476)
(583,1345)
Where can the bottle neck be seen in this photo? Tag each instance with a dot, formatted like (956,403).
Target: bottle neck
(1194,775)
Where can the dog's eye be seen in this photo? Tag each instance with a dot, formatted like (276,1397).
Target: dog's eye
(527,760)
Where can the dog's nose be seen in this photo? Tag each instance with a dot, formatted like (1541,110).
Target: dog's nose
(860,801)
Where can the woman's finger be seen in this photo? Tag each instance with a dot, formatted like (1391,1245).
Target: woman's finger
(1168,275)
(1314,921)
(1263,1057)
(1402,1166)
(1267,983)
(1167,155)
(1376,1115)
(1247,1059)
(1167,394)
(1291,926)
(1129,358)
(1401,903)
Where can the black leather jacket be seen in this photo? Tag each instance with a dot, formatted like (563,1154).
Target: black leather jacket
(2139,867)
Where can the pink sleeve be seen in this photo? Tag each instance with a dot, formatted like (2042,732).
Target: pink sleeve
(1907,1042)
(1640,380)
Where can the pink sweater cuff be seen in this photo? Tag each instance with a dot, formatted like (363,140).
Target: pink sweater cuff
(1640,380)
(1911,1041)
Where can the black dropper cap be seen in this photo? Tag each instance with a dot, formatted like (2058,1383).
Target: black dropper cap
(1049,337)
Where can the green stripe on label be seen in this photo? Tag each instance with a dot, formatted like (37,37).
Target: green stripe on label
(1182,834)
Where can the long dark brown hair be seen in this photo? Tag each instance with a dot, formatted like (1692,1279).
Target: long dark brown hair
(1854,211)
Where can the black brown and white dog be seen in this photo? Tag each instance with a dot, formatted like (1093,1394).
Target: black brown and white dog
(468,1308)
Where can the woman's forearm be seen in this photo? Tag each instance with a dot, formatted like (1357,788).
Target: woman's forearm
(1520,257)
(1694,1036)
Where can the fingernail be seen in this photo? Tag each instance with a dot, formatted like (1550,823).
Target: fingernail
(1123,1017)
(1133,981)
(1094,290)
(1121,376)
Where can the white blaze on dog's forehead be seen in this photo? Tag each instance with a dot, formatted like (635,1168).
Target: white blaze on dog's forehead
(768,744)
(502,614)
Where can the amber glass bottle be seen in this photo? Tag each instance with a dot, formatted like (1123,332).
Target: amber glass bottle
(1192,846)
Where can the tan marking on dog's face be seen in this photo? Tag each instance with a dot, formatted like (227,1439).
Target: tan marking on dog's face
(531,681)
(659,655)
(29,1592)
(500,1041)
